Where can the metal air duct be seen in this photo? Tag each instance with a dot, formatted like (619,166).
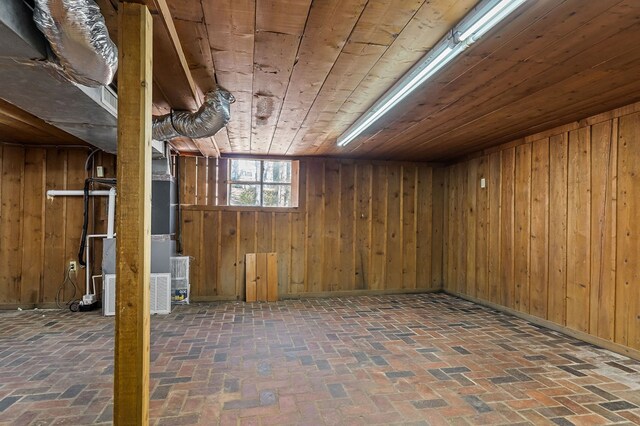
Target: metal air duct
(78,36)
(212,116)
(28,80)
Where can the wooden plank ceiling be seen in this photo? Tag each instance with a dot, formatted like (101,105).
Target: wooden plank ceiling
(302,71)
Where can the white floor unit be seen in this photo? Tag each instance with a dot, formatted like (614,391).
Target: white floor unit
(180,287)
(109,295)
(159,297)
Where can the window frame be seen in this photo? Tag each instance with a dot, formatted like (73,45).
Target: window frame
(293,184)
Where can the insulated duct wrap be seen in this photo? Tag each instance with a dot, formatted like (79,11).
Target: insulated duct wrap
(212,116)
(78,36)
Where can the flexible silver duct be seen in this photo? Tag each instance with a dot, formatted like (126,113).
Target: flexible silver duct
(212,116)
(78,36)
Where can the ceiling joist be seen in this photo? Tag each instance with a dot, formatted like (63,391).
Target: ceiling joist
(182,92)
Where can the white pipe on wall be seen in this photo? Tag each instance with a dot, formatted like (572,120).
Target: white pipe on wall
(111,216)
(111,193)
(78,193)
(95,193)
(88,267)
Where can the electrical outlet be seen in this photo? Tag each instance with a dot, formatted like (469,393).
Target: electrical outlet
(73,266)
(99,171)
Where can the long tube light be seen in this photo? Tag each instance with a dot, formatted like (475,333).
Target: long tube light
(477,23)
(490,19)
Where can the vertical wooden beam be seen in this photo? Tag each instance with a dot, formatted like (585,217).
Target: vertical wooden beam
(133,221)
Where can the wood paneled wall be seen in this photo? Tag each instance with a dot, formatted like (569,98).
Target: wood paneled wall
(554,234)
(361,226)
(39,236)
(198,178)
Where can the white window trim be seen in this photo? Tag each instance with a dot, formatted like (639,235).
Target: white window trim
(261,183)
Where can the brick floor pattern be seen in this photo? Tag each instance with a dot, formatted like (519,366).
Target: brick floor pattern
(427,359)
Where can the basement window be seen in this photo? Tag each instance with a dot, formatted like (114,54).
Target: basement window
(262,183)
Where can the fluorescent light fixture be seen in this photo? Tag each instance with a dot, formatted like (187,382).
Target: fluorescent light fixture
(429,69)
(471,28)
(489,19)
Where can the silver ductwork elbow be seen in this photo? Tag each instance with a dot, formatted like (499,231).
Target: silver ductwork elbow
(79,38)
(212,116)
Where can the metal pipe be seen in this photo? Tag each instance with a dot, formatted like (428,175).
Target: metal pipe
(111,216)
(90,297)
(111,193)
(93,282)
(212,116)
(78,35)
(88,267)
(76,193)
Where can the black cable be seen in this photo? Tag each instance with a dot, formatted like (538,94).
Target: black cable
(179,224)
(85,224)
(67,279)
(103,181)
(89,158)
(88,166)
(85,215)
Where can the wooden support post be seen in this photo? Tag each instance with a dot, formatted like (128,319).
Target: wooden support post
(133,221)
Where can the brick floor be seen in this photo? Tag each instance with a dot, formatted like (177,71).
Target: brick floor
(417,360)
